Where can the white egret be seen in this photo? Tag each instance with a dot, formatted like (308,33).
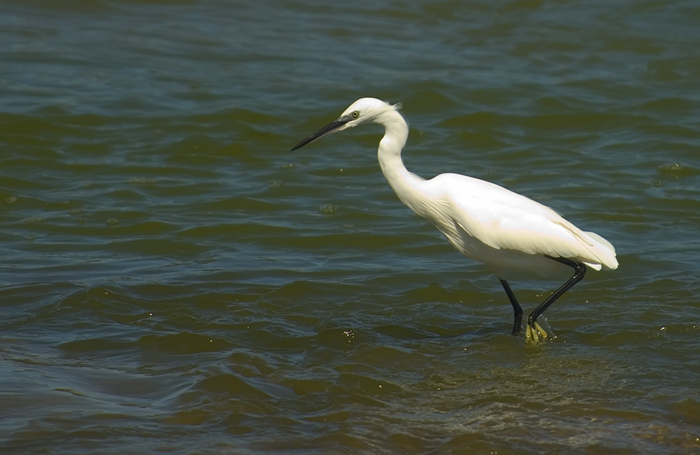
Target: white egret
(483,221)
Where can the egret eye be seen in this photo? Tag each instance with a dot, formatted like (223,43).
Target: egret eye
(355,114)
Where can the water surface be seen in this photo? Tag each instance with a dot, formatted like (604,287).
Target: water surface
(174,280)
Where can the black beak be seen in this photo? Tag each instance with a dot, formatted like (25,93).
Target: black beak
(328,129)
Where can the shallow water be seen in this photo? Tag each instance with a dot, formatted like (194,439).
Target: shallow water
(174,280)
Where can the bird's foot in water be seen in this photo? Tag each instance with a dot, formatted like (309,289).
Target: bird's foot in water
(534,332)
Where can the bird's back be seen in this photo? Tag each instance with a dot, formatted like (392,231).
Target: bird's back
(503,229)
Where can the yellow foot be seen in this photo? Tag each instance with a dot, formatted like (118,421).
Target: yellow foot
(535,333)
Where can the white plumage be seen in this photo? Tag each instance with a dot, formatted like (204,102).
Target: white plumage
(483,221)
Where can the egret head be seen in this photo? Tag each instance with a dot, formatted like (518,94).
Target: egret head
(364,110)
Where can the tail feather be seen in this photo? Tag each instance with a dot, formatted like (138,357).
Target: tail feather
(604,251)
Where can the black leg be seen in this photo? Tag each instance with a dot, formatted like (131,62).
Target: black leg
(579,272)
(517,310)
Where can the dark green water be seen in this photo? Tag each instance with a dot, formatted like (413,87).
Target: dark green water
(173,280)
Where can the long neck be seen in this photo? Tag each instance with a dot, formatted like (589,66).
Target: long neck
(407,186)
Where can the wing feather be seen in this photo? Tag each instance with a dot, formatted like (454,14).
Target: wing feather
(505,220)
